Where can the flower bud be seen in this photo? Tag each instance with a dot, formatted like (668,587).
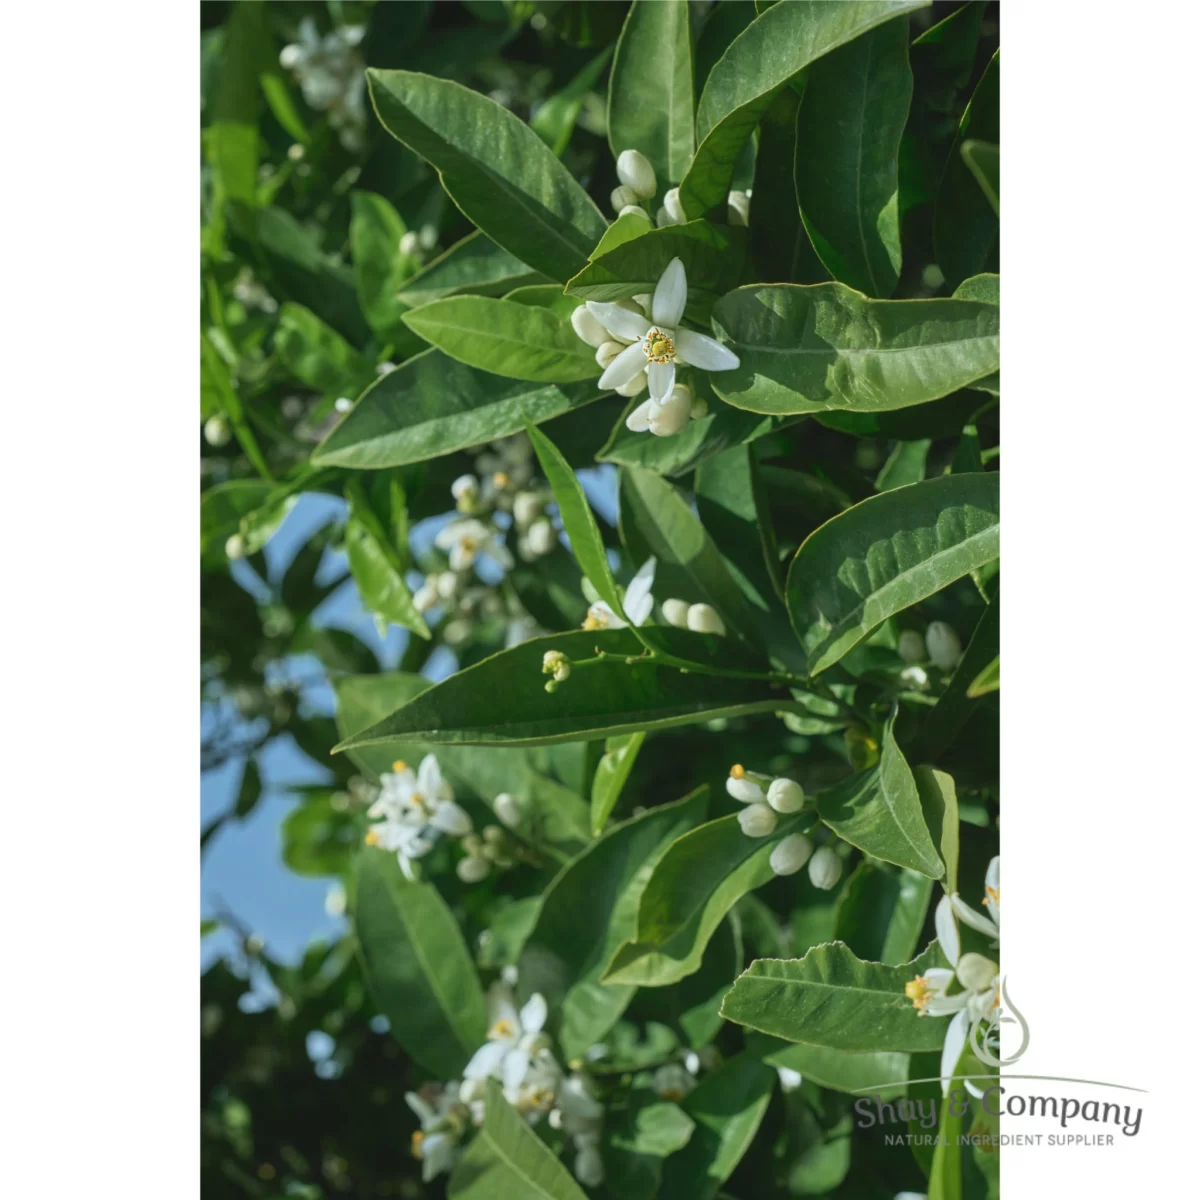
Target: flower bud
(410,244)
(456,632)
(235,547)
(703,618)
(739,208)
(588,328)
(675,213)
(623,197)
(217,431)
(785,796)
(637,210)
(757,820)
(915,677)
(824,868)
(424,598)
(541,537)
(699,408)
(634,386)
(676,612)
(635,172)
(465,490)
(745,786)
(508,808)
(472,870)
(639,420)
(554,662)
(911,646)
(790,1080)
(447,585)
(943,645)
(606,353)
(527,507)
(791,854)
(673,1081)
(976,972)
(673,413)
(343,404)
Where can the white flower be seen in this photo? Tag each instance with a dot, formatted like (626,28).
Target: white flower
(330,73)
(541,537)
(636,173)
(749,787)
(676,612)
(517,1053)
(442,1126)
(791,854)
(465,490)
(915,677)
(527,506)
(942,643)
(508,808)
(343,404)
(739,208)
(217,431)
(673,1082)
(785,796)
(757,820)
(703,618)
(911,646)
(235,546)
(638,602)
(656,346)
(665,419)
(824,868)
(465,540)
(413,810)
(789,1079)
(589,1166)
(588,328)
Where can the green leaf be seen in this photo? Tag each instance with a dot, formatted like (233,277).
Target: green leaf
(879,811)
(586,543)
(494,167)
(886,554)
(475,266)
(966,225)
(883,1073)
(432,405)
(988,680)
(611,773)
(221,511)
(822,347)
(318,355)
(217,394)
(728,1106)
(506,1160)
(985,288)
(939,803)
(762,60)
(830,998)
(654,1127)
(418,965)
(851,119)
(623,229)
(376,566)
(604,698)
(554,119)
(697,882)
(587,912)
(712,257)
(379,268)
(983,161)
(319,838)
(880,913)
(905,465)
(233,135)
(650,98)
(250,790)
(518,341)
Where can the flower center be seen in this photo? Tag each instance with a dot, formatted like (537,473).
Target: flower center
(469,545)
(737,771)
(992,897)
(372,838)
(658,347)
(417,1138)
(501,480)
(399,765)
(596,619)
(502,1030)
(919,992)
(671,1093)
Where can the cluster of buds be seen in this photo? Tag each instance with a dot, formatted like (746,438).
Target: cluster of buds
(671,212)
(331,74)
(637,184)
(250,293)
(492,847)
(702,618)
(669,417)
(940,646)
(555,664)
(418,244)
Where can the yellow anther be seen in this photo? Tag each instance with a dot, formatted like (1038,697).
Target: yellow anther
(501,480)
(469,545)
(372,838)
(593,623)
(502,1030)
(417,1138)
(399,765)
(993,896)
(658,348)
(918,991)
(737,771)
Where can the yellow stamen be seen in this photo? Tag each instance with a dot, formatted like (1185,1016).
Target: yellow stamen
(737,771)
(672,1094)
(919,992)
(658,348)
(501,480)
(993,896)
(399,765)
(372,838)
(594,622)
(417,1138)
(469,545)
(502,1030)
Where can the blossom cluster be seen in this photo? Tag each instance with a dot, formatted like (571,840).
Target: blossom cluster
(331,74)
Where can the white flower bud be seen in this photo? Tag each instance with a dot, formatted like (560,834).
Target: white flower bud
(662,218)
(739,208)
(428,236)
(472,870)
(976,972)
(589,328)
(675,213)
(915,677)
(447,585)
(676,612)
(790,1080)
(554,662)
(943,645)
(296,151)
(745,786)
(672,1081)
(636,209)
(541,537)
(589,1166)
(791,854)
(699,408)
(456,632)
(465,490)
(410,244)
(757,820)
(785,796)
(527,507)
(637,384)
(703,618)
(623,197)
(508,808)
(634,171)
(673,413)
(824,868)
(217,431)
(639,420)
(235,547)
(911,646)
(606,353)
(424,598)
(343,404)
(290,57)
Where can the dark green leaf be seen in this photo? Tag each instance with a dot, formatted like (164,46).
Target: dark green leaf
(475,266)
(611,773)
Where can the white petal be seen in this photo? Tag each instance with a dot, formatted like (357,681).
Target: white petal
(588,327)
(639,419)
(623,368)
(968,916)
(437,1155)
(947,930)
(533,1014)
(638,600)
(629,326)
(662,381)
(406,867)
(674,413)
(699,350)
(634,387)
(500,1005)
(429,777)
(745,790)
(952,1048)
(943,1006)
(670,295)
(486,1060)
(516,1067)
(451,819)
(425,1111)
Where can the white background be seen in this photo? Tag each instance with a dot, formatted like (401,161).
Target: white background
(100,108)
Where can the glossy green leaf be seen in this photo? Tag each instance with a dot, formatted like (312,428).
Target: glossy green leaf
(811,349)
(589,910)
(886,554)
(983,161)
(650,99)
(221,511)
(763,59)
(880,913)
(831,998)
(851,118)
(432,405)
(654,1127)
(985,288)
(879,811)
(727,1107)
(882,1072)
(418,966)
(518,341)
(494,167)
(611,773)
(988,680)
(233,136)
(580,524)
(554,119)
(474,266)
(318,355)
(604,698)
(379,268)
(545,295)
(939,804)
(506,1160)
(905,465)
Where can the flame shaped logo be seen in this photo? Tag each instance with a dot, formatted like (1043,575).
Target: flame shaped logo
(986,1043)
